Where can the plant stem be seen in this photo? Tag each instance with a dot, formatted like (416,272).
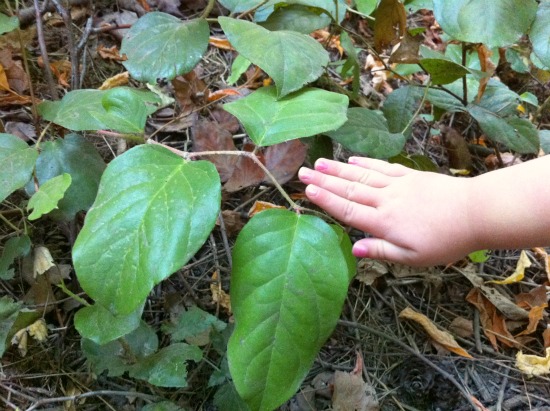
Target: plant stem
(136,138)
(9,223)
(42,44)
(418,109)
(464,80)
(208,9)
(81,300)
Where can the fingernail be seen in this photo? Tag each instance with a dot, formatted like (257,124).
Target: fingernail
(321,165)
(311,190)
(352,160)
(304,173)
(359,250)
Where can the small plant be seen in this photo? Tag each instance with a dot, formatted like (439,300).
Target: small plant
(152,208)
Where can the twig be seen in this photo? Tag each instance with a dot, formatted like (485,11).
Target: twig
(208,8)
(136,138)
(225,240)
(42,44)
(73,52)
(443,373)
(502,389)
(93,394)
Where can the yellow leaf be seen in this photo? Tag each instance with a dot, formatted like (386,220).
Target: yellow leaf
(120,79)
(218,295)
(20,339)
(441,337)
(38,330)
(43,260)
(533,364)
(518,275)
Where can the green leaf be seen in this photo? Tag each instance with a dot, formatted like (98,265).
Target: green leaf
(499,99)
(366,6)
(162,406)
(479,256)
(352,61)
(289,282)
(129,113)
(77,157)
(366,132)
(443,71)
(292,59)
(516,133)
(167,368)
(8,24)
(334,9)
(444,100)
(90,322)
(540,33)
(8,314)
(400,107)
(152,213)
(415,161)
(111,357)
(227,399)
(494,23)
(238,68)
(82,110)
(545,141)
(305,113)
(238,6)
(161,46)
(296,17)
(16,164)
(194,326)
(14,248)
(48,195)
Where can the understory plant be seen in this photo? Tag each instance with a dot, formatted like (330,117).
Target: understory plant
(151,209)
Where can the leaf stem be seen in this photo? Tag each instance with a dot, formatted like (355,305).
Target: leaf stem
(136,138)
(81,300)
(208,9)
(409,124)
(10,224)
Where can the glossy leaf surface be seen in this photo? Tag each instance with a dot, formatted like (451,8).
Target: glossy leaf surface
(161,46)
(292,59)
(48,195)
(289,281)
(17,160)
(540,33)
(305,113)
(152,213)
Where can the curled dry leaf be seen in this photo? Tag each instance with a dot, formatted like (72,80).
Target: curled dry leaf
(519,272)
(533,365)
(43,260)
(220,43)
(110,53)
(118,80)
(543,255)
(441,337)
(535,315)
(38,330)
(534,298)
(260,206)
(219,296)
(351,393)
(369,270)
(462,327)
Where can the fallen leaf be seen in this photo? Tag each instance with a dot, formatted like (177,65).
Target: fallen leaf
(508,159)
(391,23)
(14,100)
(462,327)
(219,296)
(232,222)
(457,149)
(110,53)
(219,94)
(408,50)
(189,91)
(118,80)
(441,337)
(283,160)
(487,66)
(4,85)
(25,131)
(519,273)
(226,120)
(247,173)
(38,330)
(543,255)
(533,365)
(537,296)
(546,337)
(351,393)
(260,206)
(14,72)
(535,315)
(378,71)
(220,43)
(493,324)
(43,260)
(21,340)
(329,40)
(369,270)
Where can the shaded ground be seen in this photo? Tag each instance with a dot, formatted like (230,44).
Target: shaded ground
(405,370)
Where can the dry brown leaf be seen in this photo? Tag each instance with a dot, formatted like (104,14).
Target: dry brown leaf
(391,24)
(408,50)
(462,327)
(329,40)
(519,273)
(351,393)
(284,159)
(43,260)
(12,99)
(120,79)
(532,365)
(457,149)
(369,270)
(378,71)
(441,337)
(219,296)
(14,72)
(226,120)
(219,94)
(535,315)
(232,222)
(260,206)
(4,85)
(543,255)
(537,296)
(223,44)
(110,53)
(487,67)
(247,173)
(189,91)
(546,337)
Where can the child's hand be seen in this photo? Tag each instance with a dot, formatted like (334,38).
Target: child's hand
(416,218)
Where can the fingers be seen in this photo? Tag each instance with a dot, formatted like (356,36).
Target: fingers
(349,212)
(350,172)
(379,249)
(383,167)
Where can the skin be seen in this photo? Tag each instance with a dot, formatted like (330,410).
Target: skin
(421,219)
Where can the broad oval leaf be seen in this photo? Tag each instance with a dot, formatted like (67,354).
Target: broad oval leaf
(82,110)
(289,282)
(9,310)
(366,132)
(332,9)
(540,33)
(443,71)
(400,107)
(292,59)
(161,46)
(305,113)
(494,23)
(96,323)
(153,211)
(8,23)
(77,157)
(296,17)
(17,160)
(48,195)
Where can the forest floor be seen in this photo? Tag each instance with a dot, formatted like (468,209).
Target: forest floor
(403,368)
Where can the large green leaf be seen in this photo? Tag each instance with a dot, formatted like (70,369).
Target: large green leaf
(296,17)
(13,248)
(494,23)
(544,136)
(238,6)
(193,325)
(400,107)
(161,46)
(289,282)
(77,157)
(292,59)
(91,323)
(16,163)
(81,110)
(167,367)
(112,357)
(8,314)
(332,9)
(443,71)
(518,134)
(8,23)
(152,213)
(48,196)
(540,33)
(305,113)
(366,132)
